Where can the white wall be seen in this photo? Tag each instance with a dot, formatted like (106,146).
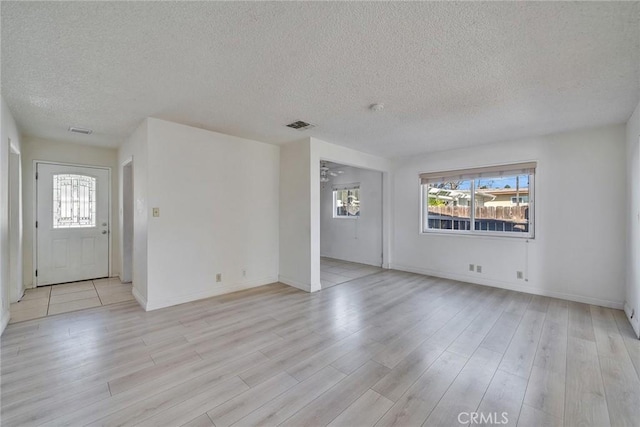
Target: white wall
(579,248)
(633,220)
(355,239)
(8,131)
(134,150)
(219,212)
(64,152)
(295,215)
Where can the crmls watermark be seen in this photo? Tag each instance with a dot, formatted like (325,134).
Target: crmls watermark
(483,418)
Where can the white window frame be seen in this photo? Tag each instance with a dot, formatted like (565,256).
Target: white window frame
(344,187)
(424,221)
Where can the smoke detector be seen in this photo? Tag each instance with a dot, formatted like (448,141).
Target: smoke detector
(376,107)
(80,130)
(300,125)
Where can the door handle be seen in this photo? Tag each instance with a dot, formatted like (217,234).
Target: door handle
(104,231)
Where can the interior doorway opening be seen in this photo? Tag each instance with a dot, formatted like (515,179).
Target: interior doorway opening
(351,223)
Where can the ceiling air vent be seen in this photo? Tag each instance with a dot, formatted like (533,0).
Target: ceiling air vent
(80,130)
(300,125)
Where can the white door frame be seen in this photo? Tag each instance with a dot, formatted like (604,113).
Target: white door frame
(35,212)
(128,162)
(16,286)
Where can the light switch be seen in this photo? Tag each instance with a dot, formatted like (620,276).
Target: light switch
(156,212)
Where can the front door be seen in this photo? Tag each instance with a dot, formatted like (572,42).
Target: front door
(72,223)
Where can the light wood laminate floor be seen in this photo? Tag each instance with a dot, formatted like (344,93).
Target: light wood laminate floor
(336,271)
(387,349)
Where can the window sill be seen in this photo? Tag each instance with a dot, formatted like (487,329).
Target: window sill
(478,234)
(346,217)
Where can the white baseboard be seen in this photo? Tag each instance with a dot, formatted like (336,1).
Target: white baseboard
(181,299)
(141,300)
(633,319)
(354,259)
(510,286)
(20,296)
(294,283)
(6,315)
(122,281)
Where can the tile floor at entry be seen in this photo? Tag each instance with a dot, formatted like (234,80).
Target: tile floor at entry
(335,271)
(55,299)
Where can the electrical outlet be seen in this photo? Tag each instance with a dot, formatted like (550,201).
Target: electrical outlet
(519,275)
(472,267)
(478,269)
(218,277)
(156,212)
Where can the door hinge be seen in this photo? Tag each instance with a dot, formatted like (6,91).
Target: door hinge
(36,224)
(36,175)
(36,273)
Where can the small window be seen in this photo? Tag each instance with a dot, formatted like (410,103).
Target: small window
(519,200)
(74,201)
(346,202)
(493,200)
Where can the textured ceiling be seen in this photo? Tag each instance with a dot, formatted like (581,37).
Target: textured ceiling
(450,74)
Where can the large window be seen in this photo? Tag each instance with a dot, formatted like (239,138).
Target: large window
(346,201)
(494,200)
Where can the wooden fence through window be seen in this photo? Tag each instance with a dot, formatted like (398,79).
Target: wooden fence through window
(507,213)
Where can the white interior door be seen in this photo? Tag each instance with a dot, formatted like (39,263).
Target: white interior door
(72,223)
